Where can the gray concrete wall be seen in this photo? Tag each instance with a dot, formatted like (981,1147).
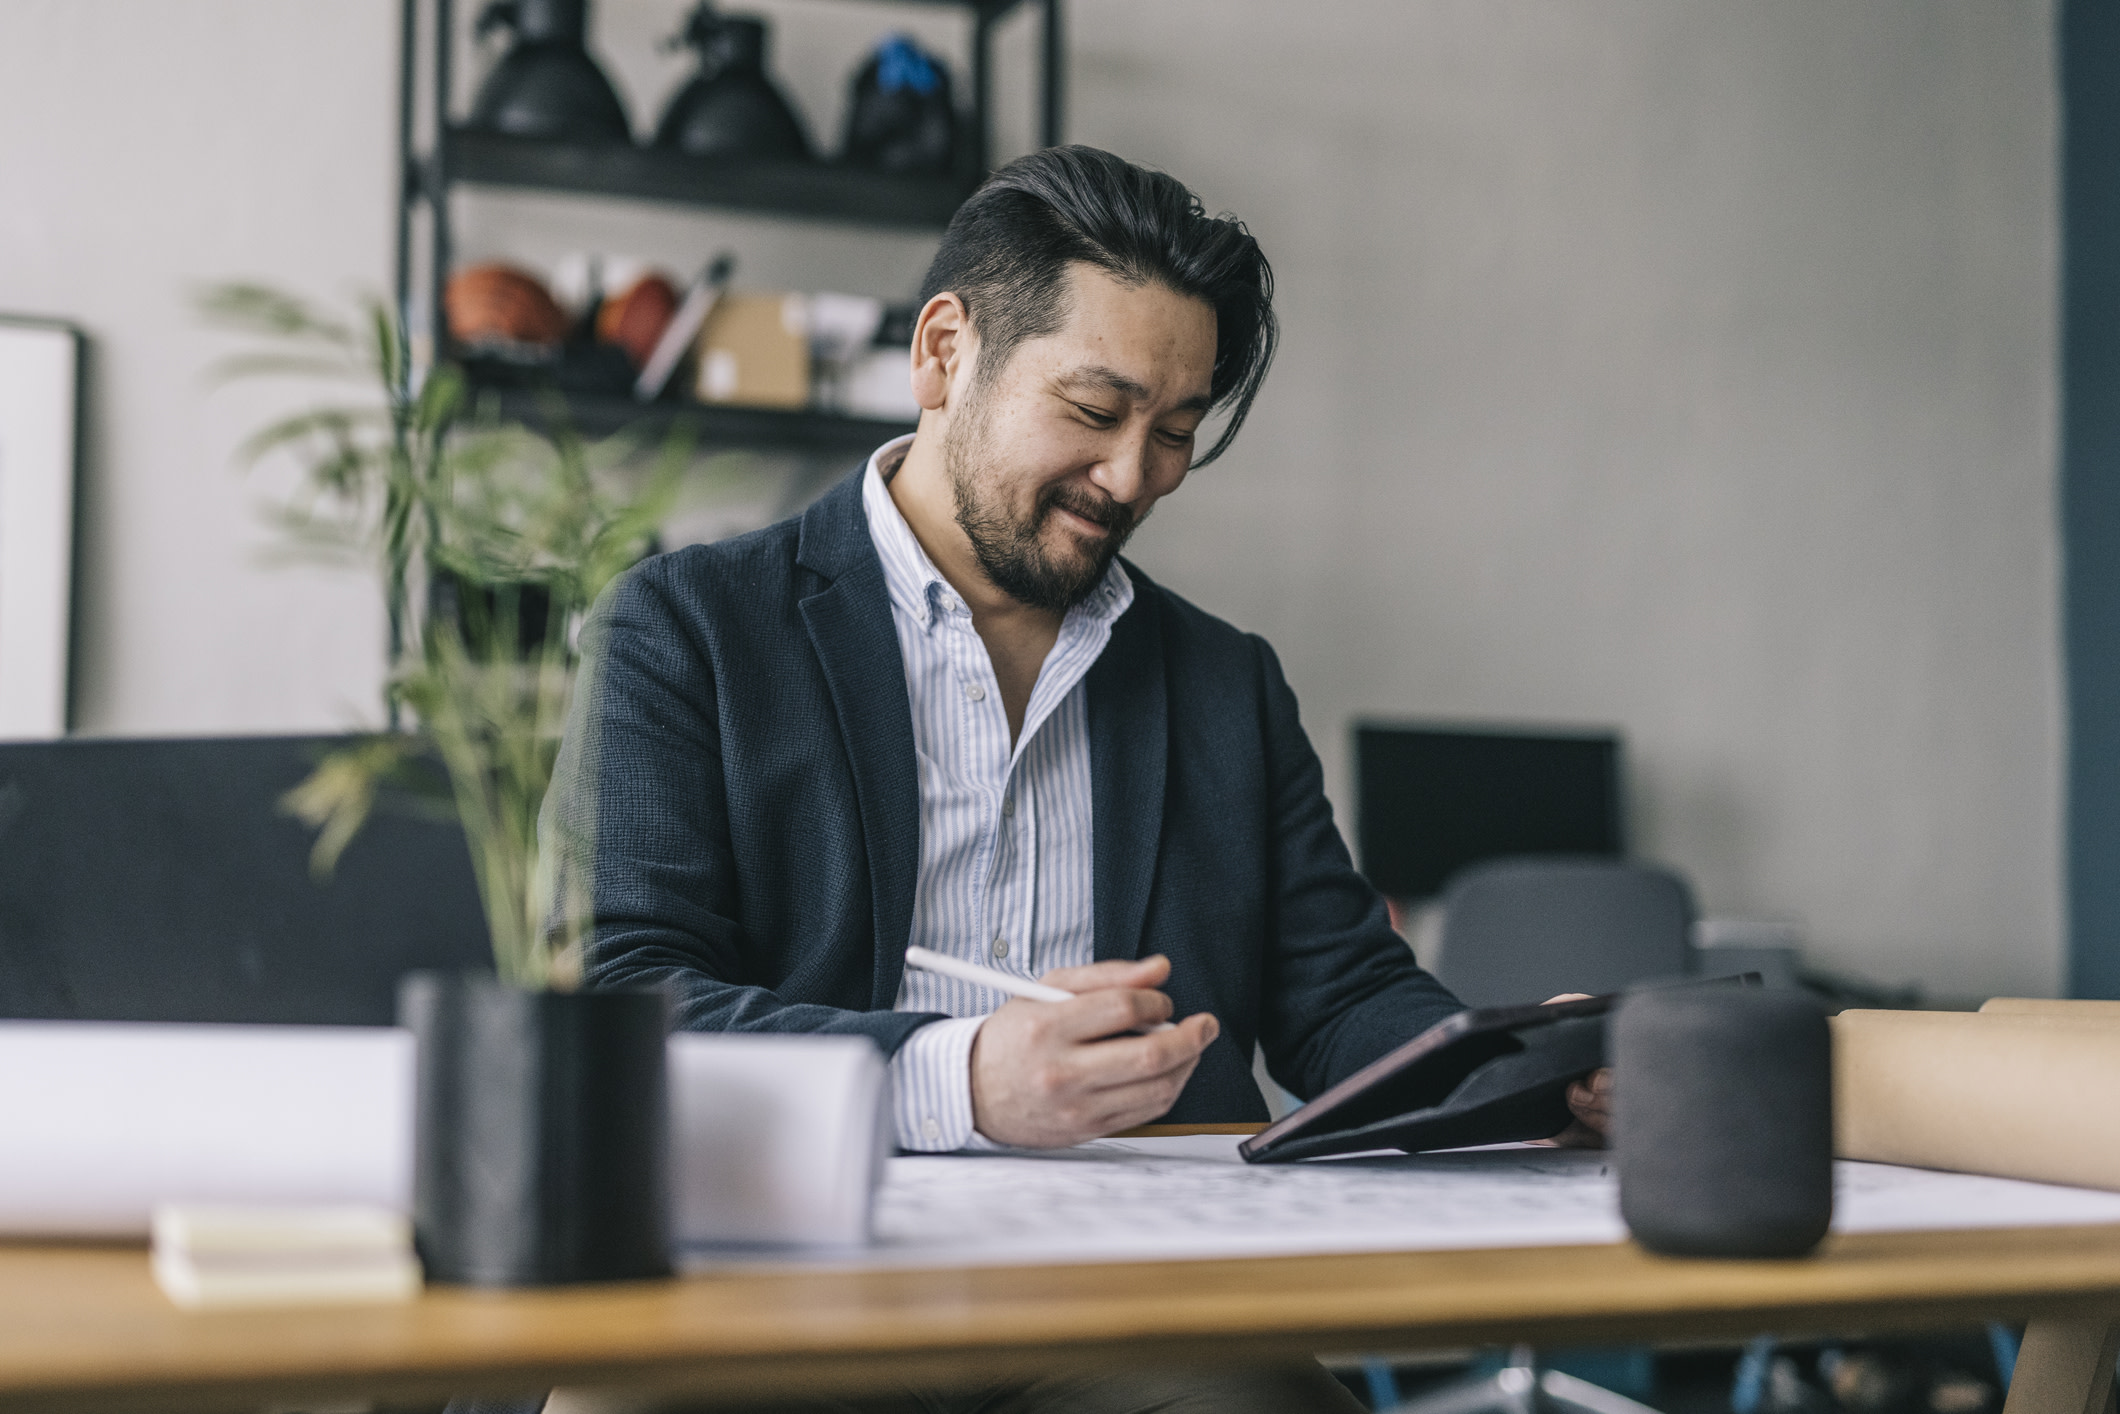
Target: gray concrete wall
(1678,367)
(144,149)
(1688,368)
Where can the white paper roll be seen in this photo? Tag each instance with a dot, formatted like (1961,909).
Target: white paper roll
(774,1140)
(100,1121)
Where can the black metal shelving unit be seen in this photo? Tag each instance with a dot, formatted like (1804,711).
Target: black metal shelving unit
(816,191)
(711,424)
(456,156)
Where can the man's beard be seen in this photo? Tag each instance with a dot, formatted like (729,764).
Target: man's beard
(1010,550)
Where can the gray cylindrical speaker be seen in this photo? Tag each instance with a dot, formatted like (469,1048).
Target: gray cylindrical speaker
(1723,1121)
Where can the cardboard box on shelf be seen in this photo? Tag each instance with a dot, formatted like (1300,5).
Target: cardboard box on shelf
(754,351)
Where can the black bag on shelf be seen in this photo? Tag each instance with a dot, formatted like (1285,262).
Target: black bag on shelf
(900,117)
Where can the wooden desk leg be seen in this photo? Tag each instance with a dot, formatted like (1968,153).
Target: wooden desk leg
(2064,1367)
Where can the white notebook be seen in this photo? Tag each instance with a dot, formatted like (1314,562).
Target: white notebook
(209,1256)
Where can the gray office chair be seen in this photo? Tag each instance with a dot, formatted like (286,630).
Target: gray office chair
(1522,930)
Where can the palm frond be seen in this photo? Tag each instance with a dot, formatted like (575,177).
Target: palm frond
(263,310)
(337,797)
(435,492)
(341,426)
(235,367)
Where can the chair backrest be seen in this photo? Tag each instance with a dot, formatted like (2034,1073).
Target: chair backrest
(1522,930)
(159,881)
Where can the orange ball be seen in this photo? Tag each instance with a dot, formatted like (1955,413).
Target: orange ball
(497,303)
(634,319)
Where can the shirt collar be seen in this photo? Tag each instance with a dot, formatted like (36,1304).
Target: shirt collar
(918,589)
(911,578)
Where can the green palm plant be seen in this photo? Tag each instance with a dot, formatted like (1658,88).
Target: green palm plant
(513,533)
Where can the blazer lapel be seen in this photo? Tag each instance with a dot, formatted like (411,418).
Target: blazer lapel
(1129,730)
(850,627)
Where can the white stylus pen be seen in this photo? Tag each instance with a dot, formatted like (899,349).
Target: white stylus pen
(935,962)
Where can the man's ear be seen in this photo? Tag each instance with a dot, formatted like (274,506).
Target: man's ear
(943,348)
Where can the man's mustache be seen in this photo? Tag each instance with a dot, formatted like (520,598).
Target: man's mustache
(1097,510)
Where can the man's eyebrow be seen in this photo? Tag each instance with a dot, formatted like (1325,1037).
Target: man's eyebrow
(1111,380)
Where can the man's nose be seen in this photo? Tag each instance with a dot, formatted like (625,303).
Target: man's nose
(1123,474)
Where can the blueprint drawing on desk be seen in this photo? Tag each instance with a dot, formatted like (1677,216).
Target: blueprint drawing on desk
(1180,1198)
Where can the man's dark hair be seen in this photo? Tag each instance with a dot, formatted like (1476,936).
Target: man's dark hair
(1007,251)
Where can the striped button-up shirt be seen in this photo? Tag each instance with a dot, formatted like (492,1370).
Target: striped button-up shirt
(1005,871)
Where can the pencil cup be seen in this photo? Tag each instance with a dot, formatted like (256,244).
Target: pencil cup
(1723,1121)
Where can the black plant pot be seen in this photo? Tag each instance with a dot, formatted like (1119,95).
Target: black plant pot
(540,1149)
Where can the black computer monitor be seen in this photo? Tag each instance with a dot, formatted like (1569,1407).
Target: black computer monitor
(1435,799)
(160,881)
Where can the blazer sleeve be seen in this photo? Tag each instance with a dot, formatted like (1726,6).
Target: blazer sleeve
(637,805)
(1340,986)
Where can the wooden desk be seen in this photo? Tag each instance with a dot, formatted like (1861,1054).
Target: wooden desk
(85,1329)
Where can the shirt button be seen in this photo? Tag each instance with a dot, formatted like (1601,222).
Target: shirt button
(930,1128)
(976,691)
(1001,947)
(1008,805)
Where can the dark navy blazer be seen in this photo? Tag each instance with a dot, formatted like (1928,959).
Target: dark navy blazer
(744,755)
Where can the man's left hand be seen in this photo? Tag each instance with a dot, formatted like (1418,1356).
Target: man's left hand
(1589,1100)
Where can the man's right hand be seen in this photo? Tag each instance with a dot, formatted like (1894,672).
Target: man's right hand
(1049,1074)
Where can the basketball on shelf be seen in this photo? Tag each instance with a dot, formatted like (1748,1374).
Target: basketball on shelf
(494,304)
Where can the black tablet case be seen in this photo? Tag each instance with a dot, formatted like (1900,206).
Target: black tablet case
(1492,1075)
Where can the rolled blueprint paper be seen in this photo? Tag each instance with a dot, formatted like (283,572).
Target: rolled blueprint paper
(100,1121)
(776,1140)
(1995,1093)
(2108,1012)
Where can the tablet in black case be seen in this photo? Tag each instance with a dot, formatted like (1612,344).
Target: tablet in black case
(1493,1075)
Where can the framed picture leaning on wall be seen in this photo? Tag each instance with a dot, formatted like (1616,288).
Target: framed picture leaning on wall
(40,387)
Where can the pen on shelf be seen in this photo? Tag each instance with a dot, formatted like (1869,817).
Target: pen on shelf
(944,966)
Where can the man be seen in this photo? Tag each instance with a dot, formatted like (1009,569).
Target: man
(937,708)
